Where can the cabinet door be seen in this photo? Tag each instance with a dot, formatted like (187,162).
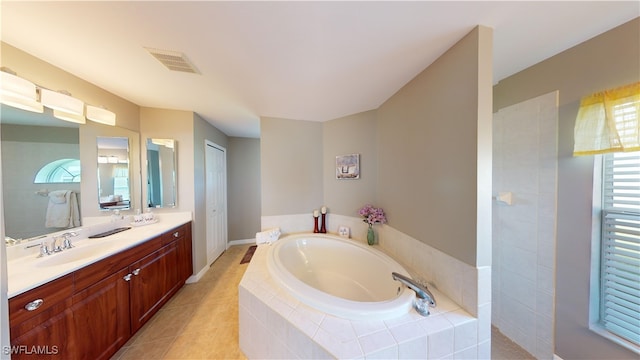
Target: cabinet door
(44,336)
(185,258)
(40,321)
(101,317)
(182,235)
(151,285)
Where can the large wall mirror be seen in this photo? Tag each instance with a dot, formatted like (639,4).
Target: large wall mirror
(161,173)
(40,173)
(50,175)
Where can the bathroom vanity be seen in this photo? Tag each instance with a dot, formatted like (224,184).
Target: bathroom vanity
(88,308)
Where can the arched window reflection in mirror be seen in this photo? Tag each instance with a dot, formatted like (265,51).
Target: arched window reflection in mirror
(161,173)
(59,171)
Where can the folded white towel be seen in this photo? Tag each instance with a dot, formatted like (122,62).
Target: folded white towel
(267,236)
(62,210)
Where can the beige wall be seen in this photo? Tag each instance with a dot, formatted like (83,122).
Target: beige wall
(354,134)
(428,151)
(202,131)
(425,156)
(291,166)
(609,60)
(243,166)
(177,125)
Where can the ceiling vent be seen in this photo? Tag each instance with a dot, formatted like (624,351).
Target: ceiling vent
(173,60)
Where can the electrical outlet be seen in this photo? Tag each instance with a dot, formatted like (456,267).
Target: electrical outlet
(344,231)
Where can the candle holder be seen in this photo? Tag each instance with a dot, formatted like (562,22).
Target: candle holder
(315,226)
(323,227)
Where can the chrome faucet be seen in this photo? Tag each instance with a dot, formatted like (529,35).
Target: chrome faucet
(425,298)
(67,239)
(57,244)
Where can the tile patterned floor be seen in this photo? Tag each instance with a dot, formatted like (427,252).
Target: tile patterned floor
(201,321)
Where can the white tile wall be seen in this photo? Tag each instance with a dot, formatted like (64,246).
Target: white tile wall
(525,163)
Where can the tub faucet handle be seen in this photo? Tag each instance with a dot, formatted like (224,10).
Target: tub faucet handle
(425,298)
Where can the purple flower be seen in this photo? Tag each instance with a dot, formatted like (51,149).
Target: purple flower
(372,215)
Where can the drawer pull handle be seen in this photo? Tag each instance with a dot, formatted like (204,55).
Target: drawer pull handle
(136,271)
(35,304)
(176,234)
(127,277)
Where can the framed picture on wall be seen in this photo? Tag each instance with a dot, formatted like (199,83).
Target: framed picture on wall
(348,166)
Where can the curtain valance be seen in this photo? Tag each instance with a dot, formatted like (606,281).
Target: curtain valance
(608,122)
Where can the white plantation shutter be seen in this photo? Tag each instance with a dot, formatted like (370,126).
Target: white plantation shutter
(620,276)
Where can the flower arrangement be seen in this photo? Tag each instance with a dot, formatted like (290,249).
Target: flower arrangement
(372,215)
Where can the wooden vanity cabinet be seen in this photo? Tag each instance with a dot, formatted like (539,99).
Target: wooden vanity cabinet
(92,312)
(151,284)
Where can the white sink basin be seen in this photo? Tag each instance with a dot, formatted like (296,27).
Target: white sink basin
(73,254)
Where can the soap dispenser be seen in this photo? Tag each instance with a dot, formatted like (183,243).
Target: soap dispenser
(116,215)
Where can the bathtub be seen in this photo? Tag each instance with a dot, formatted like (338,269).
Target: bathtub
(339,276)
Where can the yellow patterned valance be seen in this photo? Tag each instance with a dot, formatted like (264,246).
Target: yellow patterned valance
(608,122)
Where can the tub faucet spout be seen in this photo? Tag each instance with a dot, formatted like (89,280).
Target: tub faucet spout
(425,297)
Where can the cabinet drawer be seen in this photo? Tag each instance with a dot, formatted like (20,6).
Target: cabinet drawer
(175,234)
(39,299)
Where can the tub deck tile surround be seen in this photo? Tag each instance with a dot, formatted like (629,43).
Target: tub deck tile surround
(274,324)
(466,285)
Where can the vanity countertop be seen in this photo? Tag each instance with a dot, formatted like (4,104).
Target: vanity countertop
(27,271)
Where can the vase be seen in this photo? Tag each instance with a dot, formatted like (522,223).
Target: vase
(371,236)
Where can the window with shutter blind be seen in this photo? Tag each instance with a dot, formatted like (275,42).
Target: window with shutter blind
(620,246)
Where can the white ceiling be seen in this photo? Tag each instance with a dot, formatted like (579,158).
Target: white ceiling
(298,60)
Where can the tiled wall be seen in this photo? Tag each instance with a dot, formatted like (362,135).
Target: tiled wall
(467,286)
(525,163)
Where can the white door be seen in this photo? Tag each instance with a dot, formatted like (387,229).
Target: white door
(216,198)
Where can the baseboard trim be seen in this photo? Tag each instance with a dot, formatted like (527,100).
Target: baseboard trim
(556,357)
(195,278)
(240,242)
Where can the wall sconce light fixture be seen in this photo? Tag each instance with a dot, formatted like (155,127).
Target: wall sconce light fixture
(18,92)
(65,107)
(101,115)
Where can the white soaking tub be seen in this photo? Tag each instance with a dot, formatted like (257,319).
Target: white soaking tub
(339,276)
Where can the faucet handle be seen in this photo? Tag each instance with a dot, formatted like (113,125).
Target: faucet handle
(67,243)
(44,250)
(422,306)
